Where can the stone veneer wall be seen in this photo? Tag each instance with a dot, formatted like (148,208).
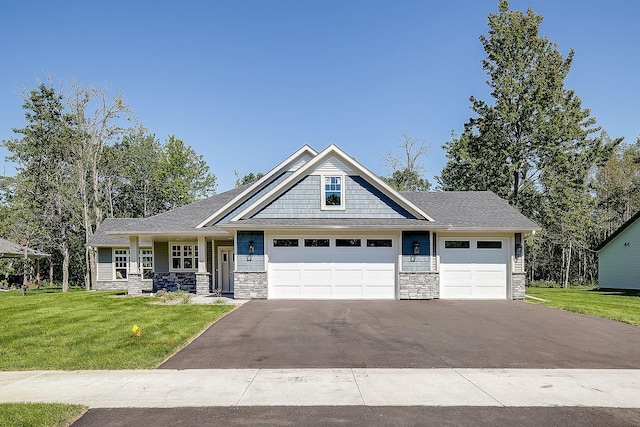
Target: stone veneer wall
(203,283)
(135,283)
(250,284)
(120,285)
(174,281)
(518,281)
(419,285)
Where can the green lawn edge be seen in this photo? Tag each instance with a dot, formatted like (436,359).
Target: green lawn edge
(93,330)
(40,414)
(619,305)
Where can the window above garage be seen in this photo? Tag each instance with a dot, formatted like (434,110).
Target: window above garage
(333,192)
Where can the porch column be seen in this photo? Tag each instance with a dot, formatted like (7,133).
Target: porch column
(203,277)
(135,278)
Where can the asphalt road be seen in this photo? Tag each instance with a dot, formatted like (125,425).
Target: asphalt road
(362,416)
(409,334)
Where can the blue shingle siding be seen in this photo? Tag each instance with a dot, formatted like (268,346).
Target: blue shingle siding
(254,262)
(420,262)
(160,257)
(362,200)
(277,180)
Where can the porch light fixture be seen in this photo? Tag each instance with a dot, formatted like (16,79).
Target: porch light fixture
(518,250)
(251,250)
(416,251)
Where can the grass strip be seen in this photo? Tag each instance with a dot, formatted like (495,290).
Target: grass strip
(39,414)
(623,306)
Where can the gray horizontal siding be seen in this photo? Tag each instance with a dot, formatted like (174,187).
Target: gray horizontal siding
(362,200)
(161,257)
(105,264)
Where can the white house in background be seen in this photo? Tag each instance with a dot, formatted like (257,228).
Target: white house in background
(619,257)
(322,226)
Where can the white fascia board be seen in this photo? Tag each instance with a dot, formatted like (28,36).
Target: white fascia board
(323,155)
(492,229)
(257,185)
(236,226)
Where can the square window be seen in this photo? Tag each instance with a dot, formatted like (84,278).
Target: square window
(177,263)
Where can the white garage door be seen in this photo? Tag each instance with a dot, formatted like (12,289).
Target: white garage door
(473,267)
(332,268)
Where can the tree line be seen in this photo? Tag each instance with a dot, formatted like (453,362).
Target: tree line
(81,157)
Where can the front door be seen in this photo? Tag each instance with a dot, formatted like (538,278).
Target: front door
(225,267)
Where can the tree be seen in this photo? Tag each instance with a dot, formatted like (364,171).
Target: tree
(185,174)
(406,169)
(99,121)
(249,178)
(535,144)
(42,200)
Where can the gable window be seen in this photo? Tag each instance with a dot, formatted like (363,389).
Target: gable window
(121,263)
(332,192)
(184,257)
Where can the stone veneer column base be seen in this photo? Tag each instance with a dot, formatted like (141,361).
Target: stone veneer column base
(202,283)
(518,282)
(250,284)
(419,285)
(135,284)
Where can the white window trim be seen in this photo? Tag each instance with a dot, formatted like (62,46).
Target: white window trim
(323,205)
(182,257)
(141,264)
(115,276)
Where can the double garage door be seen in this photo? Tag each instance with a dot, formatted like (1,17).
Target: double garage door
(332,268)
(473,268)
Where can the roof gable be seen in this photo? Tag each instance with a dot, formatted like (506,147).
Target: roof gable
(288,166)
(330,160)
(619,231)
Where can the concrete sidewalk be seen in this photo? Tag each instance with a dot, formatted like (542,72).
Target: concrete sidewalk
(618,388)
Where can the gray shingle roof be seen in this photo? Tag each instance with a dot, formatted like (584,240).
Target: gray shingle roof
(470,209)
(458,209)
(101,238)
(9,249)
(185,218)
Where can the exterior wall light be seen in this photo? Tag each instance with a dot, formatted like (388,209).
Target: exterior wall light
(416,251)
(518,250)
(251,250)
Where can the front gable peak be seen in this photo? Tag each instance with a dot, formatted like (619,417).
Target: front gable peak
(324,183)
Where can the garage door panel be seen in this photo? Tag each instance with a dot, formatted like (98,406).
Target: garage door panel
(474,272)
(332,272)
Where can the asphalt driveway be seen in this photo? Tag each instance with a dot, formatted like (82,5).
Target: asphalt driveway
(409,334)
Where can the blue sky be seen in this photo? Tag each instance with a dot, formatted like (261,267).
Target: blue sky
(246,83)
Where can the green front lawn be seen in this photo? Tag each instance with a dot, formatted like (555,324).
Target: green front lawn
(39,414)
(93,330)
(617,305)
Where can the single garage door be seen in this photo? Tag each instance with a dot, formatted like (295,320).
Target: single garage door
(473,267)
(332,268)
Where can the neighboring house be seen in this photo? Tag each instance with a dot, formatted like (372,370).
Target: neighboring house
(321,226)
(619,257)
